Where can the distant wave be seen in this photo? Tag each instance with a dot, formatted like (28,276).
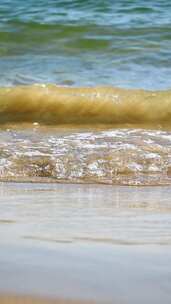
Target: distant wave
(50,104)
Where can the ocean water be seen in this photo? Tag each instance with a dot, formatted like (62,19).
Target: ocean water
(87,135)
(85,91)
(74,42)
(85,150)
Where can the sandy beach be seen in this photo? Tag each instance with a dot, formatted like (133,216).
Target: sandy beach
(106,244)
(5,299)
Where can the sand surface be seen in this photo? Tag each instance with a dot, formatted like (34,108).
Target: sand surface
(88,243)
(6,299)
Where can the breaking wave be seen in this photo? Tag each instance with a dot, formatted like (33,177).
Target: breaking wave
(111,156)
(54,105)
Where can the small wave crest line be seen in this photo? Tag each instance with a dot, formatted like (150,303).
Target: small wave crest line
(51,104)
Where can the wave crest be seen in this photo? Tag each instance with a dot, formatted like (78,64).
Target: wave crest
(51,104)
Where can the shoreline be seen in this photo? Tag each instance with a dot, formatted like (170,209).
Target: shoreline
(14,299)
(85,242)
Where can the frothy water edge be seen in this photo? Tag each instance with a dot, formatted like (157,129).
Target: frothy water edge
(113,154)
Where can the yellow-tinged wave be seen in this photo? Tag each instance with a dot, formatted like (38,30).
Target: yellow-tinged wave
(52,104)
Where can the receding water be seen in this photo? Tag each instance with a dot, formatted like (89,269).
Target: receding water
(111,156)
(50,214)
(92,242)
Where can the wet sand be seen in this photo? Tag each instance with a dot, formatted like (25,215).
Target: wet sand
(85,242)
(5,299)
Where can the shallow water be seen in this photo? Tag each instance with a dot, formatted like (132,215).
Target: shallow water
(103,243)
(50,214)
(124,137)
(85,155)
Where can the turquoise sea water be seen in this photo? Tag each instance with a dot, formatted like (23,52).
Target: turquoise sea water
(75,42)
